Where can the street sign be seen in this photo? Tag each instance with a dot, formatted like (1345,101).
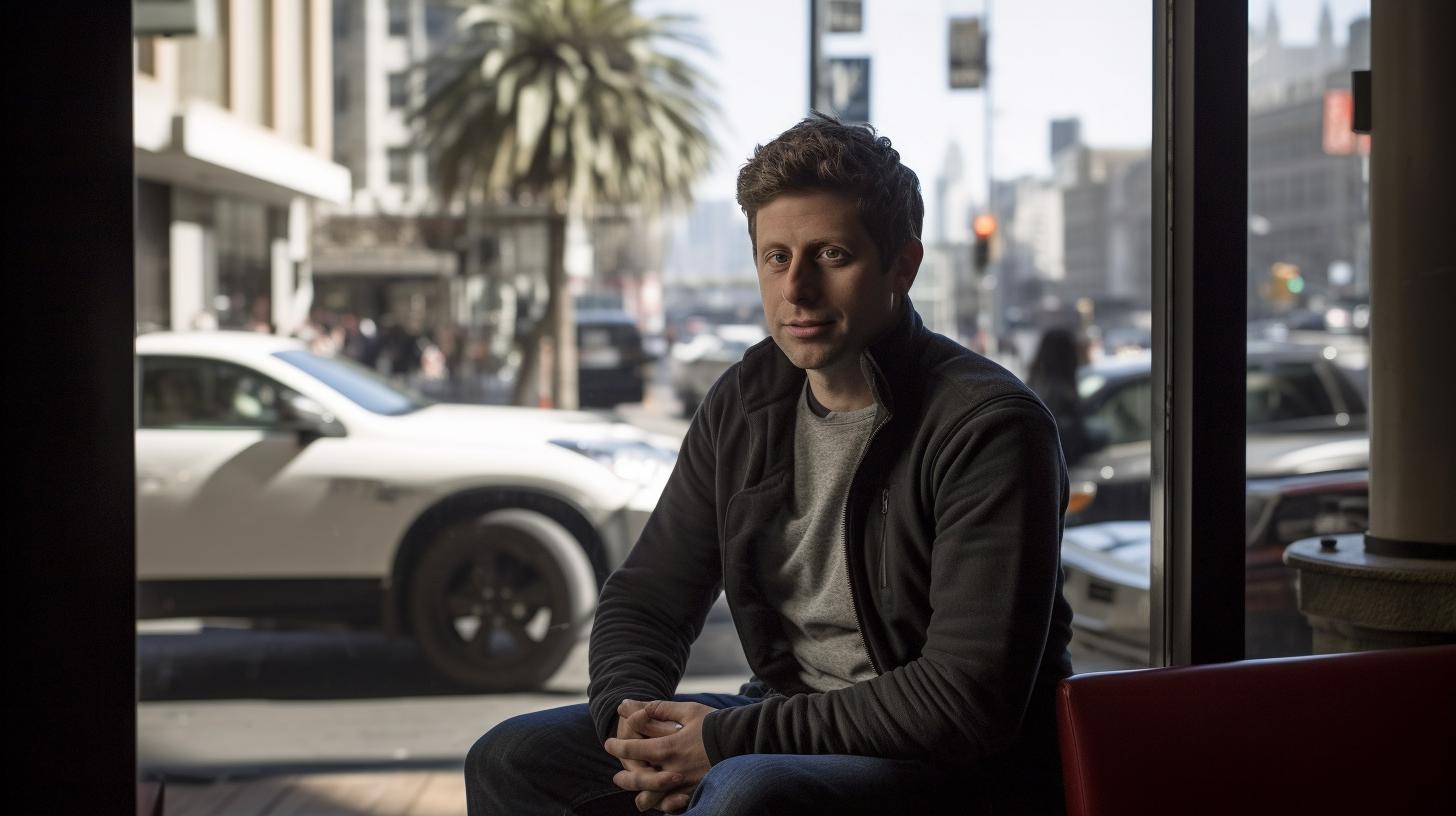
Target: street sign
(1340,138)
(849,88)
(846,16)
(967,53)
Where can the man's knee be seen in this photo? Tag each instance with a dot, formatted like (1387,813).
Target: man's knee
(524,745)
(752,783)
(497,747)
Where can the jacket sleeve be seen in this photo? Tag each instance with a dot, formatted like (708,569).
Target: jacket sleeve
(653,607)
(999,488)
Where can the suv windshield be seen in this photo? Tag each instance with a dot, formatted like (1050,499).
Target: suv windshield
(364,387)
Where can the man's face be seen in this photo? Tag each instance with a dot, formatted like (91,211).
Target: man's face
(826,292)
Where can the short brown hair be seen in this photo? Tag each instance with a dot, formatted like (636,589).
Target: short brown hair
(823,153)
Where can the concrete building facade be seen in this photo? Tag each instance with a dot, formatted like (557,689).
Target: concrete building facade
(233,144)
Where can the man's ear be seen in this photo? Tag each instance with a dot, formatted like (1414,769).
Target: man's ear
(907,265)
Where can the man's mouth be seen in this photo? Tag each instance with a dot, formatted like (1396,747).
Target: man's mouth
(807,329)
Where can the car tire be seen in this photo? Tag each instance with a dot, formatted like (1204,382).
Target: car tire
(497,601)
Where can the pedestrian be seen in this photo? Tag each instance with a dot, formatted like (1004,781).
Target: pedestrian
(1053,376)
(882,508)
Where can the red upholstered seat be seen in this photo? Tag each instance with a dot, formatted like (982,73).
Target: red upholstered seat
(1369,732)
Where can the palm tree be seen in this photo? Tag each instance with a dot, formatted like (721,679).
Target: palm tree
(567,105)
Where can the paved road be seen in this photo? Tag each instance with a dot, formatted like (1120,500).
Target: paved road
(223,702)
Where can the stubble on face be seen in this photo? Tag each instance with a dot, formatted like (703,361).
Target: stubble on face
(826,294)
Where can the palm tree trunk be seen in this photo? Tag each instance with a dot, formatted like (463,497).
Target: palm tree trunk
(558,321)
(562,310)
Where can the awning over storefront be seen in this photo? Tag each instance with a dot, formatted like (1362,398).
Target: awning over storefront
(382,261)
(202,146)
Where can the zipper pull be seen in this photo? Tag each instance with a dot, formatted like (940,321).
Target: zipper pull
(885,502)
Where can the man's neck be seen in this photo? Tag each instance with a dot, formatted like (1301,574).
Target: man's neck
(845,389)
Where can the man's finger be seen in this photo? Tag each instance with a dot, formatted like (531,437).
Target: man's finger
(647,750)
(626,707)
(649,727)
(647,780)
(675,802)
(670,710)
(647,800)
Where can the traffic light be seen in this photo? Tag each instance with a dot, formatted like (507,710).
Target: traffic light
(984,228)
(1285,283)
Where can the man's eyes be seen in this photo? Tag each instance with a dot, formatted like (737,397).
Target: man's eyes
(833,254)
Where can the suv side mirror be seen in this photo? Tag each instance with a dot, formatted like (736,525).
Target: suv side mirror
(307,418)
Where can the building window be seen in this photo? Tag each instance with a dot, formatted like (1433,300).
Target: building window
(439,21)
(399,165)
(399,89)
(341,94)
(398,18)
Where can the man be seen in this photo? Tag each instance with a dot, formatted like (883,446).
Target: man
(883,510)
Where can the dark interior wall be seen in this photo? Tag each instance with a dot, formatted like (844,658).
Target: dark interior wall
(69,529)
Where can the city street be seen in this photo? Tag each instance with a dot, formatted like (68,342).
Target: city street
(243,720)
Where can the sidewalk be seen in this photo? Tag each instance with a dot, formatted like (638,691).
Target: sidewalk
(401,793)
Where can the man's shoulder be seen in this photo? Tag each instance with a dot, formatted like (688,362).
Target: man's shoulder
(961,382)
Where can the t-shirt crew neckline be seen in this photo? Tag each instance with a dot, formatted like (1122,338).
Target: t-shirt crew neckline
(828,417)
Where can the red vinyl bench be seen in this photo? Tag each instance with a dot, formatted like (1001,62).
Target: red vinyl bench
(1367,732)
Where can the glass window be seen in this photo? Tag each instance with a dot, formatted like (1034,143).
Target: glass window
(182,392)
(399,165)
(341,94)
(1125,414)
(398,18)
(1286,391)
(363,387)
(399,89)
(1308,293)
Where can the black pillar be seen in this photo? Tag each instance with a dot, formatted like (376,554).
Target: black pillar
(1200,231)
(70,523)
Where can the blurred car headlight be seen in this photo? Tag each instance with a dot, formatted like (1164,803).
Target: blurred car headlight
(1083,494)
(634,461)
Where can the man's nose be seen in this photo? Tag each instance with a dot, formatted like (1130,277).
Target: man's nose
(801,282)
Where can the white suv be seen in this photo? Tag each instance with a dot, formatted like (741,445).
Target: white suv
(275,483)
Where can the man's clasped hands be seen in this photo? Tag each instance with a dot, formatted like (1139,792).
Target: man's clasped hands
(660,744)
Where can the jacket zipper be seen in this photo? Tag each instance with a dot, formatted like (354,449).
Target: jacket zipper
(844,541)
(884,547)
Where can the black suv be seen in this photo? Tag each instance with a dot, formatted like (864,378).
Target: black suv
(611,363)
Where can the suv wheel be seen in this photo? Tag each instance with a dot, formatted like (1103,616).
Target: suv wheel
(498,601)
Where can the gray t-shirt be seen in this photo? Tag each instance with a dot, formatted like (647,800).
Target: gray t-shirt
(809,572)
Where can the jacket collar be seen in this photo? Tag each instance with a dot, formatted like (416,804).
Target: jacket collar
(767,376)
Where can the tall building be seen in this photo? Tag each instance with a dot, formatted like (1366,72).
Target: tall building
(387,253)
(233,144)
(1078,246)
(1092,185)
(1308,204)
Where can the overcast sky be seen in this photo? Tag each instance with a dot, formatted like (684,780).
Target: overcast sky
(1049,59)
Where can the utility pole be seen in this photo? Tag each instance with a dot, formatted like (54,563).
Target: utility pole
(988,295)
(816,55)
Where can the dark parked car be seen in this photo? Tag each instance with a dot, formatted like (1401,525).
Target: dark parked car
(611,362)
(1303,414)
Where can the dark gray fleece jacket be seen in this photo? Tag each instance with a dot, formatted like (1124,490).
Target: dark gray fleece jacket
(953,529)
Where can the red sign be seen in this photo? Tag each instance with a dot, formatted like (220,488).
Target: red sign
(1339,139)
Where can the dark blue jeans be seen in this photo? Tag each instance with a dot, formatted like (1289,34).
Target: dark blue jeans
(551,762)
